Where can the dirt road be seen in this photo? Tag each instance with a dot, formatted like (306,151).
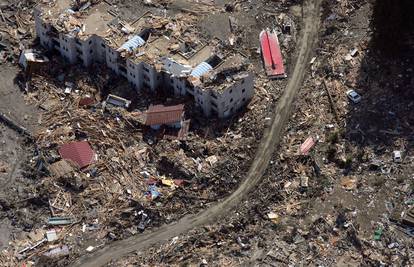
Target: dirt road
(12,103)
(270,140)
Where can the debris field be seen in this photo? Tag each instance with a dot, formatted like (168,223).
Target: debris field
(96,170)
(84,163)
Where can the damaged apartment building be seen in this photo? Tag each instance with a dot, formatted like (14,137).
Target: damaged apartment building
(148,55)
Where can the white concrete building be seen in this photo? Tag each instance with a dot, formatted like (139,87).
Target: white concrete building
(218,79)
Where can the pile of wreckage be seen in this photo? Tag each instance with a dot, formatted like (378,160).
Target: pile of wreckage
(340,191)
(110,170)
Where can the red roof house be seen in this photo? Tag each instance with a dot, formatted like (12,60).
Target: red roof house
(79,152)
(164,115)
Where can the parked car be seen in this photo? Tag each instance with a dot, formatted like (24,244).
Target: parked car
(397,156)
(353,96)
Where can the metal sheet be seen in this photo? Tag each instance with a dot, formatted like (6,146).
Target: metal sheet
(78,152)
(132,44)
(272,56)
(201,69)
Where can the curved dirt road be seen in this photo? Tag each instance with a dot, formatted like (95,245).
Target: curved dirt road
(270,140)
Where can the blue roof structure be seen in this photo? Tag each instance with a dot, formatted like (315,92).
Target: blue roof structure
(133,43)
(201,69)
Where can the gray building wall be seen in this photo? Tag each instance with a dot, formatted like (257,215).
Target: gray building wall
(42,30)
(144,76)
(112,59)
(134,74)
(202,99)
(151,78)
(88,49)
(68,47)
(230,100)
(179,86)
(100,47)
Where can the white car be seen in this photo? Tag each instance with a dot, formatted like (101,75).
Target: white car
(353,96)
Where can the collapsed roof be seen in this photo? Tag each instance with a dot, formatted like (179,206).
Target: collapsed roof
(79,152)
(172,44)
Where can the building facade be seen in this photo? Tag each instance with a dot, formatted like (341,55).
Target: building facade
(220,98)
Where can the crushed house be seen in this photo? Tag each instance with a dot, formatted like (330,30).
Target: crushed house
(146,53)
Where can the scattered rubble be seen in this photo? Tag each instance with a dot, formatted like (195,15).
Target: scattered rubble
(349,200)
(103,167)
(103,173)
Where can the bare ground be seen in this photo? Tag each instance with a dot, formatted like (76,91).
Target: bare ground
(14,153)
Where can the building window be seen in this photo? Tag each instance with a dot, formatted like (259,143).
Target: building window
(242,82)
(146,78)
(90,41)
(231,100)
(90,51)
(244,90)
(103,45)
(231,91)
(244,99)
(145,68)
(134,75)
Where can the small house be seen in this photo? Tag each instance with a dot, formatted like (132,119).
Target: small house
(160,115)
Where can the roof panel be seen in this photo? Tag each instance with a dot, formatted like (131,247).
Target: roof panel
(272,55)
(159,114)
(201,69)
(133,43)
(79,152)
